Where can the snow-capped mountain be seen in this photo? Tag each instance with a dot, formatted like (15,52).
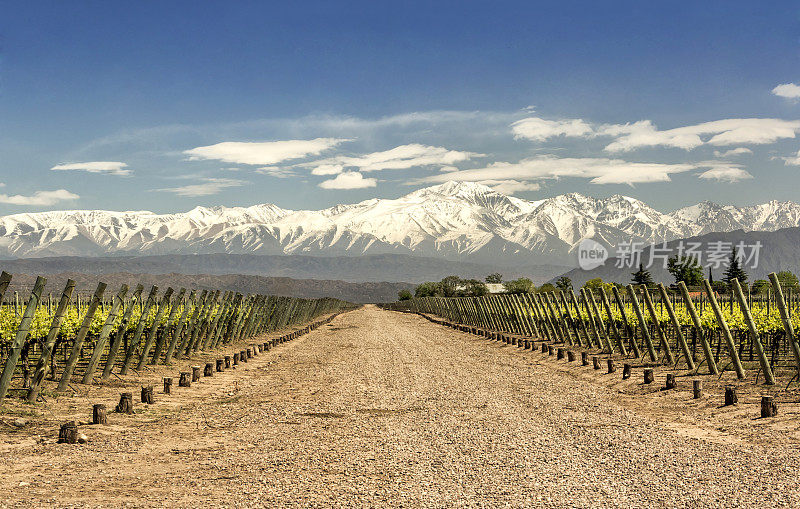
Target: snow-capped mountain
(455,221)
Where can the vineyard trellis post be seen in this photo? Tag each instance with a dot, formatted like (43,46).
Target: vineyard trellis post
(600,324)
(21,336)
(100,344)
(709,355)
(176,333)
(612,323)
(626,323)
(151,335)
(648,342)
(677,326)
(77,345)
(648,301)
(769,378)
(787,323)
(129,352)
(113,350)
(43,365)
(161,343)
(726,332)
(592,323)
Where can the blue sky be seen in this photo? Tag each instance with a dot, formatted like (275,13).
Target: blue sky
(167,105)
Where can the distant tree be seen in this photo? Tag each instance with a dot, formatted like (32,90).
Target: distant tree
(735,270)
(404,295)
(473,288)
(564,284)
(719,286)
(642,276)
(495,278)
(597,284)
(450,285)
(788,280)
(521,285)
(547,287)
(428,289)
(686,269)
(760,286)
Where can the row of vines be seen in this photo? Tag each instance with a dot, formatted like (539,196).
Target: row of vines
(73,339)
(661,325)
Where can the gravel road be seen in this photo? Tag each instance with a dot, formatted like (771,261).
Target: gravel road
(380,408)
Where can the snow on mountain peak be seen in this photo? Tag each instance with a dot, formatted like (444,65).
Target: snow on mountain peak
(454,220)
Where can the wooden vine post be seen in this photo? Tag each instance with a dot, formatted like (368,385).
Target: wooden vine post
(726,332)
(66,376)
(113,350)
(100,344)
(22,334)
(769,378)
(654,317)
(148,305)
(677,326)
(151,335)
(642,324)
(43,365)
(787,322)
(687,300)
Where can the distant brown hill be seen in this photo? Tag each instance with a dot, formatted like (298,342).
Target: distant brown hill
(306,288)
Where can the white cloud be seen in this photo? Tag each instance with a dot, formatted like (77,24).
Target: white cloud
(732,131)
(539,129)
(107,167)
(269,152)
(445,169)
(348,180)
(733,152)
(510,186)
(208,187)
(791,160)
(39,198)
(787,90)
(398,158)
(725,173)
(598,170)
(274,171)
(328,169)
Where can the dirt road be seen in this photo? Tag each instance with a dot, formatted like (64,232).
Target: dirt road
(380,408)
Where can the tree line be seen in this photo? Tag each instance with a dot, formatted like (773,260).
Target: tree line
(682,268)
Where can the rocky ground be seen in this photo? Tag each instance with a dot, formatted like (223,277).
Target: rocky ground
(381,408)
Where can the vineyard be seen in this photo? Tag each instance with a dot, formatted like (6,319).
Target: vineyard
(78,338)
(688,329)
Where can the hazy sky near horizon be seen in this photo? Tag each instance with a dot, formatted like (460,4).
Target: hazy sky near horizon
(167,105)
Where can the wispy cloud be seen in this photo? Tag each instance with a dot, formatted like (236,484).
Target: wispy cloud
(348,180)
(791,160)
(598,170)
(644,133)
(262,153)
(274,171)
(733,131)
(39,198)
(787,90)
(399,158)
(106,167)
(539,129)
(208,186)
(730,174)
(510,186)
(733,152)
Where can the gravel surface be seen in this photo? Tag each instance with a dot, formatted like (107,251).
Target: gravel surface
(380,408)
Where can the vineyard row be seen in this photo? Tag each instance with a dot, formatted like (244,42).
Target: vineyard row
(652,323)
(81,341)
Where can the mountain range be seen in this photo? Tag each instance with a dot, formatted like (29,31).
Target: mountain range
(456,221)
